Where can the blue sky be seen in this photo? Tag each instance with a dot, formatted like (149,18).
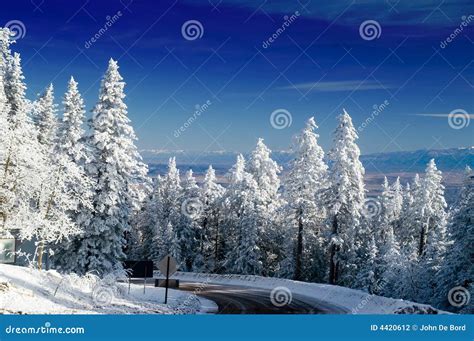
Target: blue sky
(318,65)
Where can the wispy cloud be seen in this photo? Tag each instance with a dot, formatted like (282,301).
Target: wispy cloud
(420,12)
(352,85)
(471,116)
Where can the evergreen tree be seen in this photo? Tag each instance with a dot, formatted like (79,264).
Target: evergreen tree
(168,201)
(367,277)
(21,162)
(146,223)
(432,238)
(72,134)
(118,172)
(189,229)
(265,172)
(346,200)
(389,262)
(46,120)
(243,255)
(304,188)
(457,269)
(69,156)
(211,194)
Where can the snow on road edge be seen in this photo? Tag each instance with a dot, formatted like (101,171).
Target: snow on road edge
(350,300)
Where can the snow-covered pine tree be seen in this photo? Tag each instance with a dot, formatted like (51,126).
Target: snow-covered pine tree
(367,278)
(265,172)
(4,128)
(70,156)
(65,189)
(429,218)
(46,120)
(242,254)
(166,242)
(346,202)
(432,239)
(304,186)
(189,229)
(146,222)
(432,207)
(119,175)
(457,271)
(409,241)
(71,131)
(388,265)
(168,205)
(229,207)
(404,233)
(211,194)
(22,165)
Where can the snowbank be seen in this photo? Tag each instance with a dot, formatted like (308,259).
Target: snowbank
(30,291)
(343,299)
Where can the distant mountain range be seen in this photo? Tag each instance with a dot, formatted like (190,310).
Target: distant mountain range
(392,165)
(448,160)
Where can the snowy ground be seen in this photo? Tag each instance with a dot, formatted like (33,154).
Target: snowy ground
(30,291)
(344,299)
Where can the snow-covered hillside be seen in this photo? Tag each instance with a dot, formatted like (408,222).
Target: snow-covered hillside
(30,291)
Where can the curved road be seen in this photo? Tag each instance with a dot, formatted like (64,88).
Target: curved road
(245,300)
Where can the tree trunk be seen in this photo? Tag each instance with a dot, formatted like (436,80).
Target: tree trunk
(48,208)
(299,248)
(423,233)
(40,256)
(216,249)
(333,264)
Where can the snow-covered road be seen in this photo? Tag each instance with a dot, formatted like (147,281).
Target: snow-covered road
(256,294)
(233,299)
